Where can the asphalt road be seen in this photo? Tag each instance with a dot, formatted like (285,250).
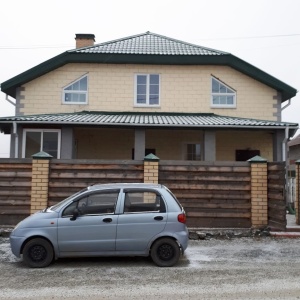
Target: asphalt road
(242,268)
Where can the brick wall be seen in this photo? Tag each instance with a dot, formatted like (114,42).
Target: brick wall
(183,89)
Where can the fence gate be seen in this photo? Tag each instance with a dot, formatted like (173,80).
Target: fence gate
(276,196)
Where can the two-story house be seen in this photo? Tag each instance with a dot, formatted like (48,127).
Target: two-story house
(144,94)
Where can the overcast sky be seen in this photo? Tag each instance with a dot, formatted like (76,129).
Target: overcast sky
(265,33)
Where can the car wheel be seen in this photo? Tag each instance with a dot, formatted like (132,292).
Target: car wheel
(38,253)
(165,252)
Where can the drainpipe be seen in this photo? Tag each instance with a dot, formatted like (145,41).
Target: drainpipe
(287,105)
(8,100)
(285,155)
(15,133)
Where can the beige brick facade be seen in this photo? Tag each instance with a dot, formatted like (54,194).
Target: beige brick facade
(39,184)
(169,144)
(182,89)
(259,194)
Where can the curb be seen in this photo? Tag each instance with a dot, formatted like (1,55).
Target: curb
(285,234)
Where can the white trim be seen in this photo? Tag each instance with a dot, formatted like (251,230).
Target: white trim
(40,130)
(147,104)
(212,105)
(76,92)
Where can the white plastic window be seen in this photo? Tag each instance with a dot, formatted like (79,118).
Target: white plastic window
(221,95)
(76,92)
(36,140)
(147,90)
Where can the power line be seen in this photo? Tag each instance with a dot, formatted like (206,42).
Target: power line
(253,37)
(34,47)
(208,39)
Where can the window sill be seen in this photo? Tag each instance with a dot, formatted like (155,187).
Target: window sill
(223,106)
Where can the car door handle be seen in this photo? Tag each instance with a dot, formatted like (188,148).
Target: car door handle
(158,218)
(107,220)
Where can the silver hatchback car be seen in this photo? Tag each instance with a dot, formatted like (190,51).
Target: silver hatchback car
(105,220)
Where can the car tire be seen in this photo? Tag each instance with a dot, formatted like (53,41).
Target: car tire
(165,252)
(38,253)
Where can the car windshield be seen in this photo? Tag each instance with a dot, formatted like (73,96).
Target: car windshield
(61,203)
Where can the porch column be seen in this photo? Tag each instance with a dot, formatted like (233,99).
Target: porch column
(209,145)
(278,139)
(39,181)
(139,144)
(67,143)
(259,192)
(297,200)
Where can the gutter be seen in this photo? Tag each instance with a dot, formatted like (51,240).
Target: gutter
(155,125)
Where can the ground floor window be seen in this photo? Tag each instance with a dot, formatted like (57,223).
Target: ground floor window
(36,140)
(193,152)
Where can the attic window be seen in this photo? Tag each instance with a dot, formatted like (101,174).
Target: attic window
(222,96)
(76,92)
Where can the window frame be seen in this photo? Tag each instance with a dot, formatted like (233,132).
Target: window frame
(194,154)
(212,105)
(147,104)
(79,92)
(41,141)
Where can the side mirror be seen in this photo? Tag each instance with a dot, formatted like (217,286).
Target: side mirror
(75,215)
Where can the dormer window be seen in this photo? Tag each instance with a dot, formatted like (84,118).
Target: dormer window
(76,92)
(222,96)
(147,90)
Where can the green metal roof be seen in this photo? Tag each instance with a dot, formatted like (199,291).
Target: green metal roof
(148,48)
(134,119)
(150,44)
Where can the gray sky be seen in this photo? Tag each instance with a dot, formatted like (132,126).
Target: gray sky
(265,33)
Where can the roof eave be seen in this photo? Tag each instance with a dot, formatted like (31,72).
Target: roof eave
(290,126)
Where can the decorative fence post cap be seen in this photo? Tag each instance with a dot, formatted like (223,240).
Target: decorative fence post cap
(257,159)
(41,155)
(151,157)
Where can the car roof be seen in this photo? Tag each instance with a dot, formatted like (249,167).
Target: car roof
(124,185)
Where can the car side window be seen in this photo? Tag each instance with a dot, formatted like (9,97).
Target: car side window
(143,201)
(94,204)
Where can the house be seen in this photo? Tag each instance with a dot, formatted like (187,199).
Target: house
(294,149)
(143,94)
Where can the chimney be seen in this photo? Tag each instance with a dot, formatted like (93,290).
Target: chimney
(84,40)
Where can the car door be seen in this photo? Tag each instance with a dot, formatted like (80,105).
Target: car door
(143,218)
(94,229)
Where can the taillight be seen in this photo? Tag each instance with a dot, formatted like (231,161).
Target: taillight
(181,218)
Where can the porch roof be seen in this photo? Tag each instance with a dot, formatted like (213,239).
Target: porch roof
(145,119)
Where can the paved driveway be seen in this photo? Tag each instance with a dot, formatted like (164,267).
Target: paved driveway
(242,268)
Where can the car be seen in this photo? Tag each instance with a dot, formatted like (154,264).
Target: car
(119,219)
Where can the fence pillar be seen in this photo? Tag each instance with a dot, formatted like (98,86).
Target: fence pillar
(39,181)
(259,192)
(151,168)
(297,201)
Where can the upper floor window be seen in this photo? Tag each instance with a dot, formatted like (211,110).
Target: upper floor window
(36,140)
(76,92)
(222,95)
(147,89)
